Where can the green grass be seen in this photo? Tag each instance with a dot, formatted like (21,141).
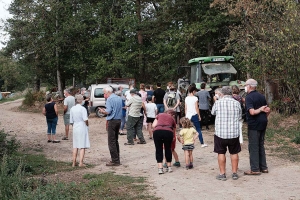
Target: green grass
(30,181)
(39,164)
(25,175)
(283,140)
(116,187)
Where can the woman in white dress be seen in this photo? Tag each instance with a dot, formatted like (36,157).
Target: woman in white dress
(79,120)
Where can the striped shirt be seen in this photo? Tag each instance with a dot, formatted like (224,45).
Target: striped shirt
(228,113)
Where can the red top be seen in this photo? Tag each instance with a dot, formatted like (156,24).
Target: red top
(165,122)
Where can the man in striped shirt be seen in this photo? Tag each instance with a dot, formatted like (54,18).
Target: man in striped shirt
(228,113)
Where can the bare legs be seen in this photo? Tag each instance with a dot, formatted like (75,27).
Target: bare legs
(67,130)
(188,155)
(81,156)
(222,162)
(175,155)
(150,130)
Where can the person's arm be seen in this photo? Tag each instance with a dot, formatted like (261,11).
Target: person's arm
(165,101)
(177,104)
(196,134)
(253,111)
(154,124)
(71,117)
(55,109)
(44,111)
(185,108)
(108,109)
(144,107)
(197,110)
(213,110)
(65,109)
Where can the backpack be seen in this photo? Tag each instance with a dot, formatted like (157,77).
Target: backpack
(171,101)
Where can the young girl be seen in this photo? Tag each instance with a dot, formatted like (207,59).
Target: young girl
(151,111)
(187,137)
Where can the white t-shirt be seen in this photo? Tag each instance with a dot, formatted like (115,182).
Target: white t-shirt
(151,109)
(70,102)
(127,96)
(190,102)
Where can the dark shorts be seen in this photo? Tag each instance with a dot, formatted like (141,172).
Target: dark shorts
(150,120)
(188,147)
(221,145)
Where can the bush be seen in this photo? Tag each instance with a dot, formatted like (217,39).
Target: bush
(8,146)
(29,99)
(32,97)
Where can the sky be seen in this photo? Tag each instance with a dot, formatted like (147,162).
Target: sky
(4,14)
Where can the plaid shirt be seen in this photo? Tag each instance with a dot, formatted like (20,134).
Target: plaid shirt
(228,113)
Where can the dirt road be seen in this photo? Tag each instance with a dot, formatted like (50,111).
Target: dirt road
(139,160)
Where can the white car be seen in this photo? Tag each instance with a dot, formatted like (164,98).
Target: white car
(97,96)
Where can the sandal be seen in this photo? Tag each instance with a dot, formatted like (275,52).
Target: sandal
(65,138)
(251,173)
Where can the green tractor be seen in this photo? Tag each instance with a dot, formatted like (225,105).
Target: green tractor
(215,71)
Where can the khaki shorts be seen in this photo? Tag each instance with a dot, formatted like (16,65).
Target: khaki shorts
(67,119)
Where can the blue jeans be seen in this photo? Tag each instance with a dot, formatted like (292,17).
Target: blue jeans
(196,122)
(160,108)
(257,150)
(123,121)
(51,123)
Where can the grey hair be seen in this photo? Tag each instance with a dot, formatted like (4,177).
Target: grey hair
(67,91)
(79,98)
(108,89)
(218,90)
(226,90)
(251,82)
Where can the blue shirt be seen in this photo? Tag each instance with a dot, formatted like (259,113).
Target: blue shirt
(256,122)
(113,107)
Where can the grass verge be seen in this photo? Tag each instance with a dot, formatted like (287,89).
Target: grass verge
(283,137)
(34,177)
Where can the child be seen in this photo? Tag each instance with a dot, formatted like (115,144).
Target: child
(174,153)
(187,137)
(151,111)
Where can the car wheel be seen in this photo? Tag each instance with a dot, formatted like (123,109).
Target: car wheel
(99,114)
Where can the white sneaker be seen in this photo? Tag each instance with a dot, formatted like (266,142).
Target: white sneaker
(170,169)
(160,171)
(204,145)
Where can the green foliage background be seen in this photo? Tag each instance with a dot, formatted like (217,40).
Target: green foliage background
(148,40)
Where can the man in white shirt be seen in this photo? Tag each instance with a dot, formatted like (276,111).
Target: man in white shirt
(69,102)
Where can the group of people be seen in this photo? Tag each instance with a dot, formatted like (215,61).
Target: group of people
(160,110)
(76,114)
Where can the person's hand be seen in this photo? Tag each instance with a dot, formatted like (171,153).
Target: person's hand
(265,109)
(199,118)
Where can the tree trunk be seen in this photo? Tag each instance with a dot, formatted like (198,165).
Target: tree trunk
(37,84)
(140,40)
